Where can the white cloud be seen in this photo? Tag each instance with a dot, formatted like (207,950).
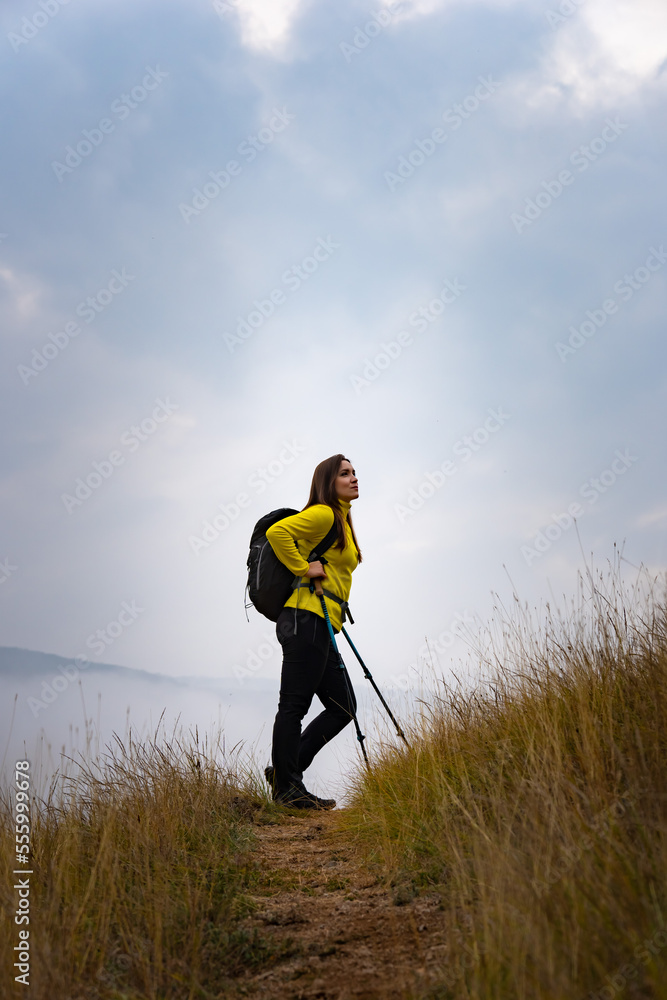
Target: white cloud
(602,55)
(22,294)
(265,24)
(597,54)
(632,34)
(422,8)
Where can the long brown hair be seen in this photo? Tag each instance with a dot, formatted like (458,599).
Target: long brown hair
(323,490)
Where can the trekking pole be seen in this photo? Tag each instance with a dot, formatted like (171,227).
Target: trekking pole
(360,736)
(369,677)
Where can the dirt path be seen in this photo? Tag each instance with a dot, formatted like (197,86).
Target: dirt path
(351,936)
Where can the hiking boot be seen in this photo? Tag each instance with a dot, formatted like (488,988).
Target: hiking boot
(325,803)
(299,798)
(295,800)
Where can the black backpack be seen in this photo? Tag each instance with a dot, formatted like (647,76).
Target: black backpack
(270,582)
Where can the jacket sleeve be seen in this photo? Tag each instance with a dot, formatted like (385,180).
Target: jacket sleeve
(309,526)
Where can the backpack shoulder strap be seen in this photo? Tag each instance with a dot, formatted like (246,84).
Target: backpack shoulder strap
(317,553)
(325,544)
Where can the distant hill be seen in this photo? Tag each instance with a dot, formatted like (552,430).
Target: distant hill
(29,663)
(106,698)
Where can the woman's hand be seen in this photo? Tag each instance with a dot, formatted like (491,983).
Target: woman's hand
(315,569)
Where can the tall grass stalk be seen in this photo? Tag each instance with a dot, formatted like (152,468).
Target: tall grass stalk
(535,802)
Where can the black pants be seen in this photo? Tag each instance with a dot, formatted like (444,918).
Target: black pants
(310,667)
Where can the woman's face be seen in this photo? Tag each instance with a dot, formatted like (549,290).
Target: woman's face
(347,487)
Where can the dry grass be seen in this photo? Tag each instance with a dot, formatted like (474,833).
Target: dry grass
(536,803)
(139,869)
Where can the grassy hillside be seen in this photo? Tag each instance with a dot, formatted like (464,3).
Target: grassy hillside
(536,806)
(532,804)
(139,866)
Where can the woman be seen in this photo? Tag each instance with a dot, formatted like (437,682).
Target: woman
(310,666)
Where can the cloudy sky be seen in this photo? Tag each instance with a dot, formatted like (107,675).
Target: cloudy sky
(238,237)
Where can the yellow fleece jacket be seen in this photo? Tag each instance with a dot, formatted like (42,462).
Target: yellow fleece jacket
(294,538)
